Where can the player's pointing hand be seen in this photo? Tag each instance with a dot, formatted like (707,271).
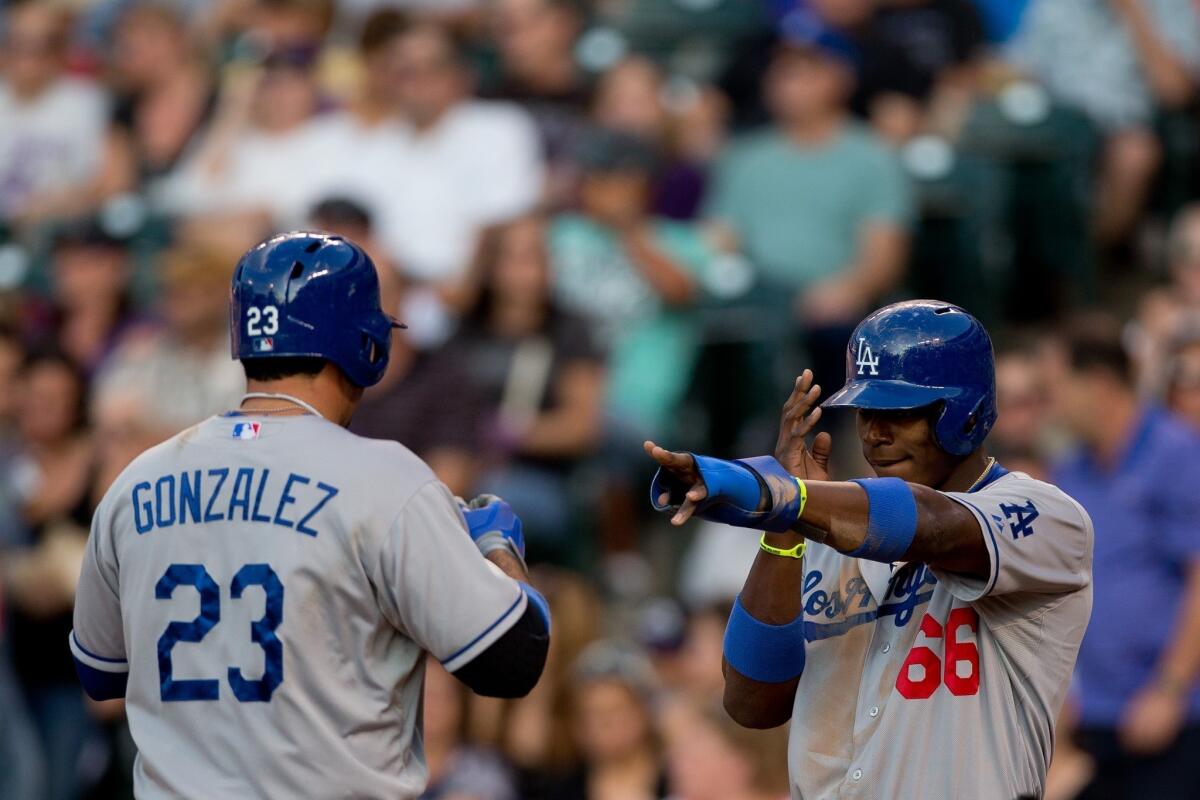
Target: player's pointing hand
(682,467)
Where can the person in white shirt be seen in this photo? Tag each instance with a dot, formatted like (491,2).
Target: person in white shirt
(259,143)
(51,125)
(459,164)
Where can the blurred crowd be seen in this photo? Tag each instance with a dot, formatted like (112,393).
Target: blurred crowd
(604,222)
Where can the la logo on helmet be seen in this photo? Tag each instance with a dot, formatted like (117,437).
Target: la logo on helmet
(866,359)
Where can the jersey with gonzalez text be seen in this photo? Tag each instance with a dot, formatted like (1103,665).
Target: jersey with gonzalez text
(272,586)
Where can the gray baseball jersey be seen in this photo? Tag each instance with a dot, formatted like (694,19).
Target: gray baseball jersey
(921,683)
(272,585)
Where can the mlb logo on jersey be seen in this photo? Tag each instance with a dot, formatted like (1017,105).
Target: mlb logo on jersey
(246,430)
(264,345)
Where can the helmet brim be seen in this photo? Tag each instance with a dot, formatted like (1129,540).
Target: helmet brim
(889,395)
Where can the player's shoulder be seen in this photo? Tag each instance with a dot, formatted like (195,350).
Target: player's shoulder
(1021,490)
(388,457)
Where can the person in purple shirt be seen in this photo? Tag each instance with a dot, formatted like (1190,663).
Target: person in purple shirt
(1136,473)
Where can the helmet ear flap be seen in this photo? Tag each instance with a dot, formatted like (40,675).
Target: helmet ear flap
(373,353)
(967,430)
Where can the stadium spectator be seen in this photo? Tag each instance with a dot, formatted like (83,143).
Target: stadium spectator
(457,164)
(185,364)
(629,100)
(457,770)
(631,275)
(351,143)
(1138,691)
(51,124)
(165,98)
(942,43)
(1164,311)
(817,204)
(542,379)
(1117,62)
(711,757)
(258,143)
(536,40)
(1018,437)
(685,127)
(612,691)
(52,469)
(699,129)
(92,307)
(53,474)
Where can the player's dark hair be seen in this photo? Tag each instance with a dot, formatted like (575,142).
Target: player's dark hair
(1093,343)
(278,368)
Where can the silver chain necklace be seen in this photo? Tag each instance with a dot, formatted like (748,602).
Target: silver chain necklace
(295,401)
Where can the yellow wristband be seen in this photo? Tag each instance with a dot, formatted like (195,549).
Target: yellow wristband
(791,552)
(803,498)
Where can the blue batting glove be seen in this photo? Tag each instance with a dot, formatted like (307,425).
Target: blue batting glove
(493,525)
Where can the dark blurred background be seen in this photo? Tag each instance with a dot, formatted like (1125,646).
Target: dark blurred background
(604,222)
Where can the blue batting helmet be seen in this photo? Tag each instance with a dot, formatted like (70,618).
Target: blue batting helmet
(311,295)
(918,353)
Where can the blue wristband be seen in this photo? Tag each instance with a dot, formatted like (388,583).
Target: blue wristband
(736,490)
(891,520)
(762,652)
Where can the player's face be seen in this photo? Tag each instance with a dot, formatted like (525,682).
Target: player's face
(900,444)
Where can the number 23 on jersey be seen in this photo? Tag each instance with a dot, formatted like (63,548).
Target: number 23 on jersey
(262,632)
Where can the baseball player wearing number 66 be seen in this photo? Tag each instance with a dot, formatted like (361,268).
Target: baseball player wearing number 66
(919,628)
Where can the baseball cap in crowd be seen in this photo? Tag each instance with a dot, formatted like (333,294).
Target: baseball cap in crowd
(604,150)
(802,29)
(609,660)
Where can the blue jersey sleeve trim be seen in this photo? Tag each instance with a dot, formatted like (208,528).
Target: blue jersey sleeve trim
(76,645)
(508,613)
(539,602)
(100,684)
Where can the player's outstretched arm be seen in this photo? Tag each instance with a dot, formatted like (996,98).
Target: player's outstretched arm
(881,519)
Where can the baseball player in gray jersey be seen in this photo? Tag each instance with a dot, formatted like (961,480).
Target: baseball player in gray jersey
(919,628)
(262,588)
